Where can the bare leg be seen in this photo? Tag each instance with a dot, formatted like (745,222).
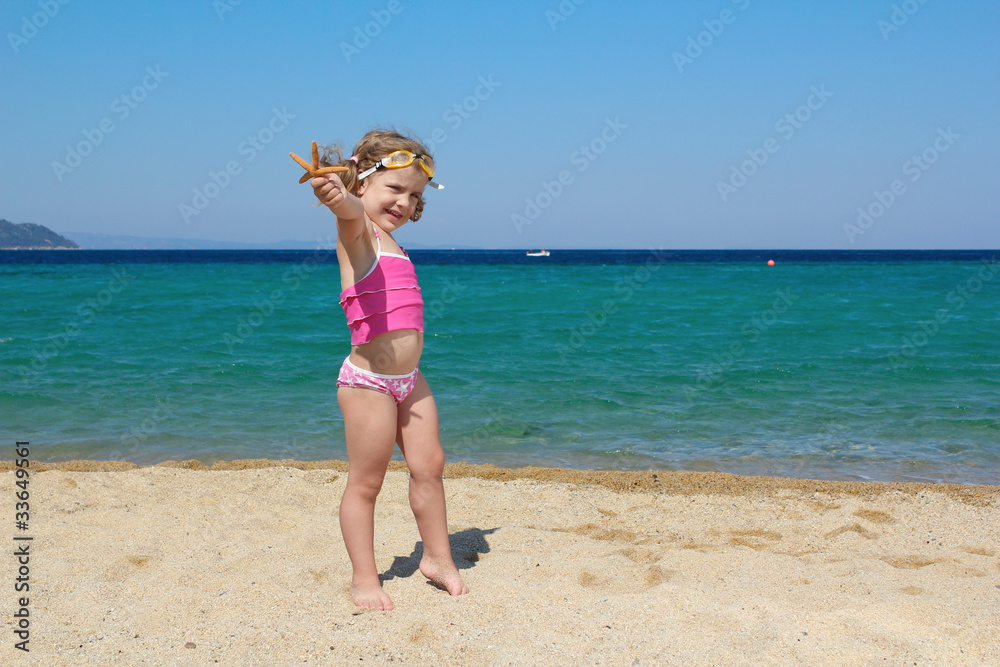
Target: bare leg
(369,430)
(420,441)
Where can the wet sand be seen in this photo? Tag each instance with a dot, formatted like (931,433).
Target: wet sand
(243,563)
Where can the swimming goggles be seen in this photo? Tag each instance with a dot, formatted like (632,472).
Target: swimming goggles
(400,159)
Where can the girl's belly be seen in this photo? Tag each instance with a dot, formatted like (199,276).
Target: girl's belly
(391,353)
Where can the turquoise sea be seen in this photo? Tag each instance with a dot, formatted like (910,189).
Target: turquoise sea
(835,365)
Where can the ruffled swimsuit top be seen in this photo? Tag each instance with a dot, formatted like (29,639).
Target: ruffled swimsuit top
(386,299)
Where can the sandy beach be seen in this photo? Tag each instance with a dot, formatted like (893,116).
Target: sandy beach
(243,563)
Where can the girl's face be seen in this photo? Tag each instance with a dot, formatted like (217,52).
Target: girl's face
(390,196)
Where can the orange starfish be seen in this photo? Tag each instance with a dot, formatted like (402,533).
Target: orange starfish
(313,170)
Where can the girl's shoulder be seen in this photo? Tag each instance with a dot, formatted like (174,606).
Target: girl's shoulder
(389,244)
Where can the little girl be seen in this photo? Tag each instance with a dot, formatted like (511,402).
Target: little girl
(384,397)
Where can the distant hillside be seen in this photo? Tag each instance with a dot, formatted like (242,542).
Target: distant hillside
(28,236)
(93,241)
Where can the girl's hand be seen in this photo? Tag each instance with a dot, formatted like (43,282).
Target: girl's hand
(330,190)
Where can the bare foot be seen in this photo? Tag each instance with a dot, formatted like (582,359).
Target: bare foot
(370,596)
(442,573)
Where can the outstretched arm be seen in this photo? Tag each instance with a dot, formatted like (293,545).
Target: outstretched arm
(350,212)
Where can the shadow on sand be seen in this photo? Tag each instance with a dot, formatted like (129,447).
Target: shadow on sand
(466,547)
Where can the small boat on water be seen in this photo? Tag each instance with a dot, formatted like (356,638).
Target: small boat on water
(538,253)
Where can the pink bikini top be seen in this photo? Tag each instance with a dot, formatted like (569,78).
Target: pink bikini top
(386,299)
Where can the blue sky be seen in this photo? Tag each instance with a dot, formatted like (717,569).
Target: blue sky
(716,124)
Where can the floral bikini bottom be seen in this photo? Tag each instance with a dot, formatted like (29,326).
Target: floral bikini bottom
(397,386)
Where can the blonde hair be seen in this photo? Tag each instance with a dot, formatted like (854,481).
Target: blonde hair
(375,145)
